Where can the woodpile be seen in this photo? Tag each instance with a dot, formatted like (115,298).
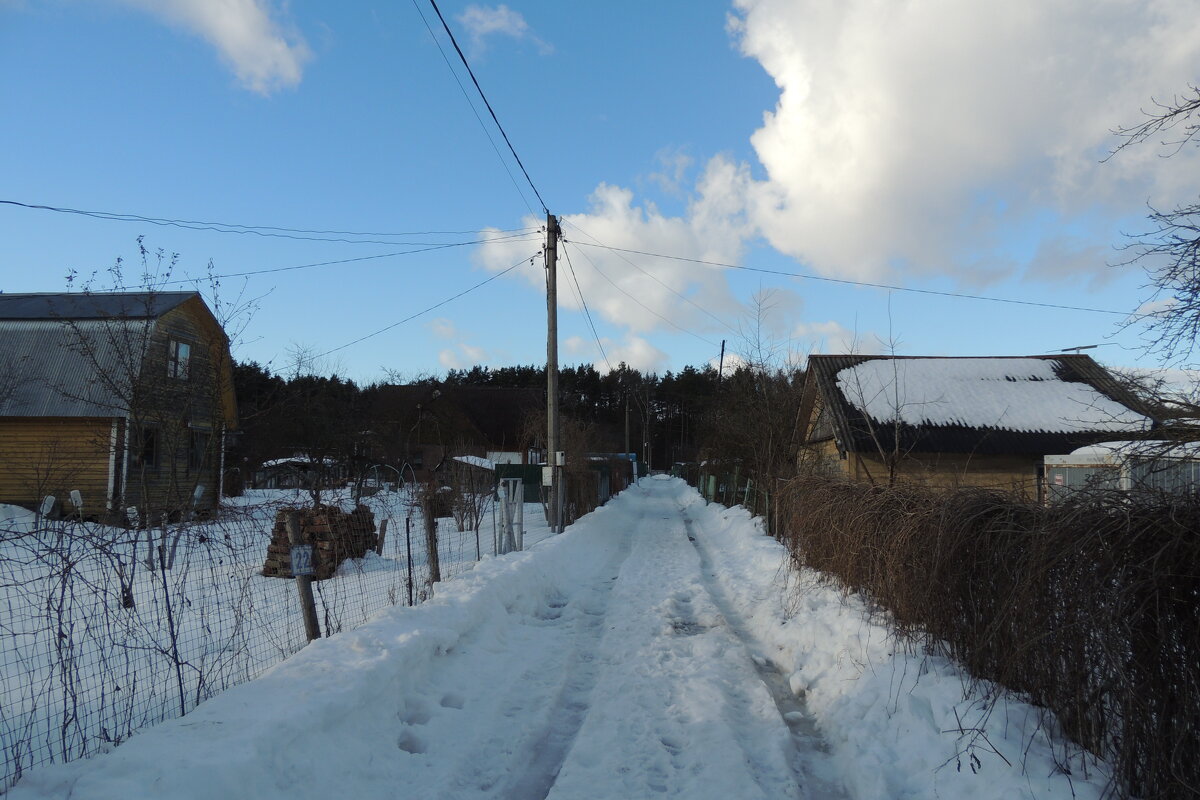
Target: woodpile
(334,535)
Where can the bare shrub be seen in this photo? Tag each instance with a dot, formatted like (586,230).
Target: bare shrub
(1088,608)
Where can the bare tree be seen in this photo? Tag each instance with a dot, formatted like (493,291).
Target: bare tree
(1169,250)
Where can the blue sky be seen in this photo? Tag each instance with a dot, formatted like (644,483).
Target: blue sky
(938,146)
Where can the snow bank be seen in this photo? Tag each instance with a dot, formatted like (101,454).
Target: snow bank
(899,724)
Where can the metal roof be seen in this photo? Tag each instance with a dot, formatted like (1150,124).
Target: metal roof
(90,305)
(856,433)
(82,368)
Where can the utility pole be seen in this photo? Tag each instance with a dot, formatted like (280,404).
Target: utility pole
(552,373)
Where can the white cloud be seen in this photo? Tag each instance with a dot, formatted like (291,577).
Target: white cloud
(642,293)
(635,351)
(443,328)
(461,353)
(827,337)
(922,137)
(482,22)
(265,52)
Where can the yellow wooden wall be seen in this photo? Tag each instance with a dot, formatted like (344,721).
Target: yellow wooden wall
(49,455)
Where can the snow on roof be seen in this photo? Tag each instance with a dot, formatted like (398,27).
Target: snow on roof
(1156,448)
(475,461)
(300,459)
(1015,394)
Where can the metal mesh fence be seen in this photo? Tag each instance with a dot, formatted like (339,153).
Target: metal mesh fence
(104,630)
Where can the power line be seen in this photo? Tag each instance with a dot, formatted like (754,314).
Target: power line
(340,261)
(302,234)
(474,110)
(491,111)
(866,284)
(586,312)
(663,284)
(640,303)
(433,307)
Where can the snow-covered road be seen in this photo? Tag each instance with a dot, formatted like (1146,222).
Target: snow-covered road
(647,652)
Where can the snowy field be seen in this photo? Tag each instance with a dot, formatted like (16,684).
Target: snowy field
(659,648)
(97,644)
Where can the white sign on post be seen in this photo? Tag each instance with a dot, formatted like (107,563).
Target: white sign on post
(302,560)
(547,476)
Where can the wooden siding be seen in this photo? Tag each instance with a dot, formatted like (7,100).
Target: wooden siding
(1006,473)
(53,455)
(177,407)
(42,456)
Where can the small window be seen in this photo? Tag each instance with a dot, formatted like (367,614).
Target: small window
(198,451)
(178,355)
(143,451)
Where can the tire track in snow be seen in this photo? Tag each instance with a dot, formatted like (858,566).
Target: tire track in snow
(810,762)
(547,751)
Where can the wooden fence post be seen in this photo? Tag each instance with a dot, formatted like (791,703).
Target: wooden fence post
(303,581)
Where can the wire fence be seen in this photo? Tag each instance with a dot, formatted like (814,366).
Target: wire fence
(106,630)
(730,486)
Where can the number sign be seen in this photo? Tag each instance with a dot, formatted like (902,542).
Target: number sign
(302,559)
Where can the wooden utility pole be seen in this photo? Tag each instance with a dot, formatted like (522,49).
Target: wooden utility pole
(552,373)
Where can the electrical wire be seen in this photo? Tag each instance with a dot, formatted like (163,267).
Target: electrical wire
(640,303)
(866,284)
(474,110)
(256,230)
(662,283)
(340,261)
(433,307)
(491,111)
(586,312)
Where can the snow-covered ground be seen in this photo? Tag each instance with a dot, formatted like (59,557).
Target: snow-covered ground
(97,644)
(659,648)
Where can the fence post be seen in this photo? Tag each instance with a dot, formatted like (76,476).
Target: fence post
(382,535)
(408,550)
(303,582)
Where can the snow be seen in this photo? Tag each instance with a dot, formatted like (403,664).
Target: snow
(659,647)
(1015,394)
(1143,447)
(476,461)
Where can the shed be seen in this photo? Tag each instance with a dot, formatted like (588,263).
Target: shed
(1147,464)
(958,421)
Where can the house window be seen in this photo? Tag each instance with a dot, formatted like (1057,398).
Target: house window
(143,451)
(178,355)
(198,451)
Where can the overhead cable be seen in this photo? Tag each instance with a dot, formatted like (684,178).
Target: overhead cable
(303,234)
(663,284)
(491,111)
(474,110)
(586,312)
(867,284)
(640,303)
(342,261)
(433,307)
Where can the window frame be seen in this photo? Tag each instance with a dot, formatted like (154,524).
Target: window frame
(179,359)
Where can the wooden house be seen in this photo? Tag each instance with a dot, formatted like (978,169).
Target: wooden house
(122,397)
(982,422)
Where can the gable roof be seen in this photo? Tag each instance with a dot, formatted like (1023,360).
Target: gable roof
(90,305)
(75,354)
(1018,405)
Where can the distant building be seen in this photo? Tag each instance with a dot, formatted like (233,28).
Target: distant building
(983,422)
(123,397)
